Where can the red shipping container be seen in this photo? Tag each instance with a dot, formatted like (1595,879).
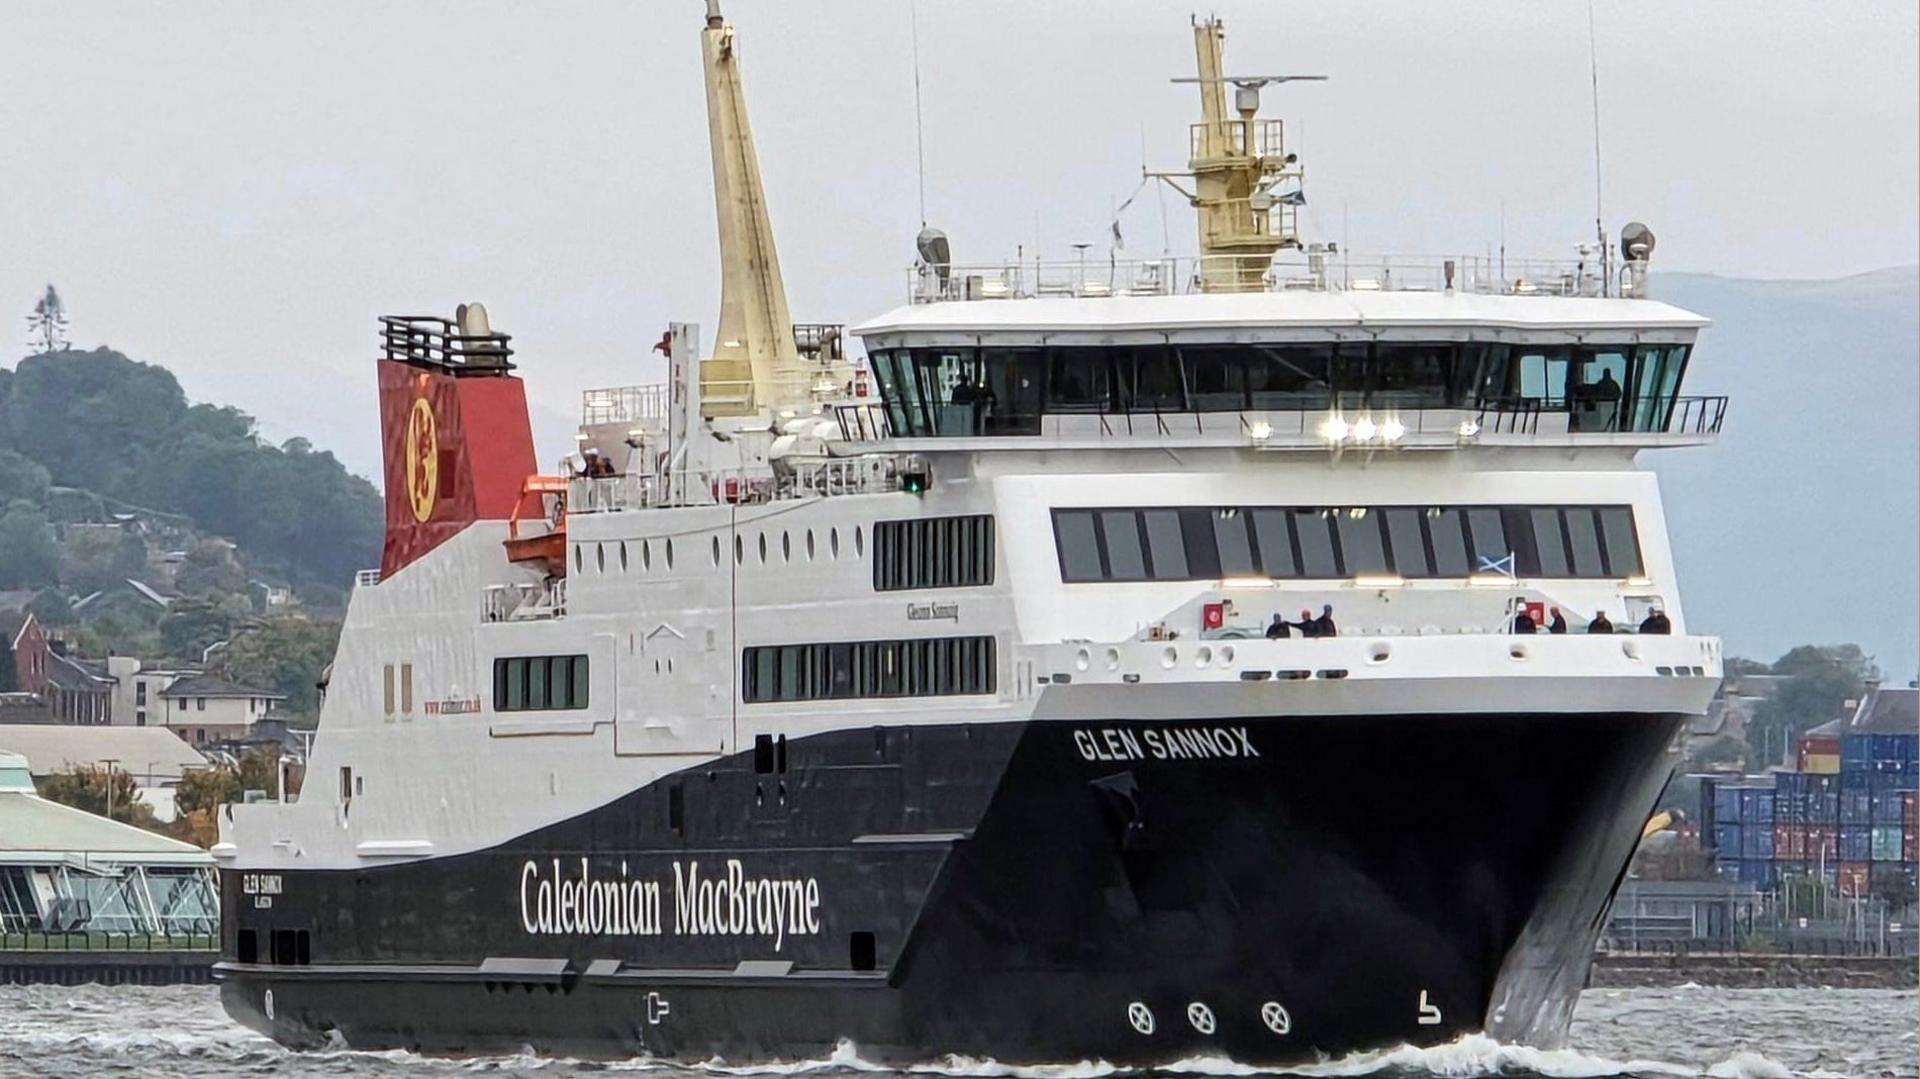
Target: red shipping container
(1823,844)
(1910,811)
(1853,878)
(1790,842)
(1910,846)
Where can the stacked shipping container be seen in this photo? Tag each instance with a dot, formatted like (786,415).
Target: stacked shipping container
(1848,814)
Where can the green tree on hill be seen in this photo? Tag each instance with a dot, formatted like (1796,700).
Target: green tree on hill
(1820,678)
(28,556)
(284,654)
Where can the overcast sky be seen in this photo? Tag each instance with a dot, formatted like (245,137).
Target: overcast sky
(235,190)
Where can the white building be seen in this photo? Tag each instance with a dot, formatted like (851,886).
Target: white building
(204,708)
(136,690)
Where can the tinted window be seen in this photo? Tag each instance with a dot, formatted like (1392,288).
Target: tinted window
(1412,375)
(1079,551)
(1276,543)
(1077,380)
(1409,547)
(1233,541)
(1488,534)
(1444,527)
(1165,544)
(1360,545)
(1623,550)
(1125,560)
(1314,529)
(1584,539)
(1548,543)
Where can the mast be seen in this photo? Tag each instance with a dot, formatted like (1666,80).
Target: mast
(1236,163)
(755,365)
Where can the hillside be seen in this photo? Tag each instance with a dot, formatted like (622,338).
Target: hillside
(1802,523)
(111,454)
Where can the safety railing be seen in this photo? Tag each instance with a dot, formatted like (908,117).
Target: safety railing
(1235,138)
(80,940)
(366,578)
(523,601)
(437,341)
(625,404)
(1315,269)
(874,473)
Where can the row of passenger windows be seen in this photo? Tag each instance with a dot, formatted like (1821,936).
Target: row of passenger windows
(1175,544)
(786,546)
(539,683)
(917,667)
(1003,391)
(932,552)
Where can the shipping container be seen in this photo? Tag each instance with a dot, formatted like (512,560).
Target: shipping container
(1789,842)
(1756,805)
(1789,801)
(1886,877)
(1726,840)
(1757,872)
(1910,846)
(1856,843)
(1852,878)
(1856,753)
(1820,763)
(1725,803)
(1856,805)
(1889,807)
(1886,843)
(1823,842)
(1910,809)
(1756,841)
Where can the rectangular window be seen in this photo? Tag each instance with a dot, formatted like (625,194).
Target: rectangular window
(386,689)
(1622,544)
(1166,547)
(1583,539)
(1404,538)
(1549,544)
(915,667)
(1360,543)
(1444,528)
(1079,545)
(1126,558)
(1270,531)
(933,552)
(539,683)
(1199,544)
(1314,529)
(406,688)
(1234,543)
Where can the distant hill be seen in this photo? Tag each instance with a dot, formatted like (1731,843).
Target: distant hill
(95,428)
(1802,524)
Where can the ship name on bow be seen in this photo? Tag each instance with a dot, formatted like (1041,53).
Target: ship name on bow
(1164,744)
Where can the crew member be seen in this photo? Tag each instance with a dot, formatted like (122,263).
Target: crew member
(1323,625)
(1558,623)
(1523,622)
(1656,622)
(1308,625)
(1278,628)
(1600,624)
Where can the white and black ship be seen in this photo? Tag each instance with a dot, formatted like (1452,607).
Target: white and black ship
(926,700)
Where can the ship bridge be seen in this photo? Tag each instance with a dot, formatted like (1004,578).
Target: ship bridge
(1318,367)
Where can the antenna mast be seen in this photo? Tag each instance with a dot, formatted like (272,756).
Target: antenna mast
(919,121)
(1599,227)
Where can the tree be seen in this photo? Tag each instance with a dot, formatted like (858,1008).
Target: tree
(93,788)
(285,654)
(1819,680)
(1735,666)
(28,557)
(22,478)
(98,558)
(195,622)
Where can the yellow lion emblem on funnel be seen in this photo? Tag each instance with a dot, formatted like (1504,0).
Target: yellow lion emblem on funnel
(423,460)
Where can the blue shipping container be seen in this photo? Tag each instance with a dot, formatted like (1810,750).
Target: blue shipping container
(1856,844)
(1887,806)
(1856,752)
(1856,806)
(1726,840)
(1726,803)
(1756,805)
(1757,873)
(1756,842)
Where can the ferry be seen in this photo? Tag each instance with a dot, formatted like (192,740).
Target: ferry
(1271,654)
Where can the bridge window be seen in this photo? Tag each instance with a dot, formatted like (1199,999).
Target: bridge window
(1323,542)
(914,667)
(539,683)
(933,552)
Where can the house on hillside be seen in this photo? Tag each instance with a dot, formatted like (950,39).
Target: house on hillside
(75,690)
(206,708)
(137,689)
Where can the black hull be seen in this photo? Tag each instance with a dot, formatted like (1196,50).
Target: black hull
(1268,890)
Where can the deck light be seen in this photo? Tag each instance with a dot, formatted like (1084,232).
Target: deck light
(1335,429)
(1246,582)
(1393,430)
(1261,430)
(1468,428)
(1364,430)
(1638,582)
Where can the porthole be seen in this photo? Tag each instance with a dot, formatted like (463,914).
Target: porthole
(577,565)
(669,554)
(763,548)
(833,542)
(623,556)
(716,550)
(646,555)
(786,548)
(859,542)
(739,550)
(600,557)
(809,544)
